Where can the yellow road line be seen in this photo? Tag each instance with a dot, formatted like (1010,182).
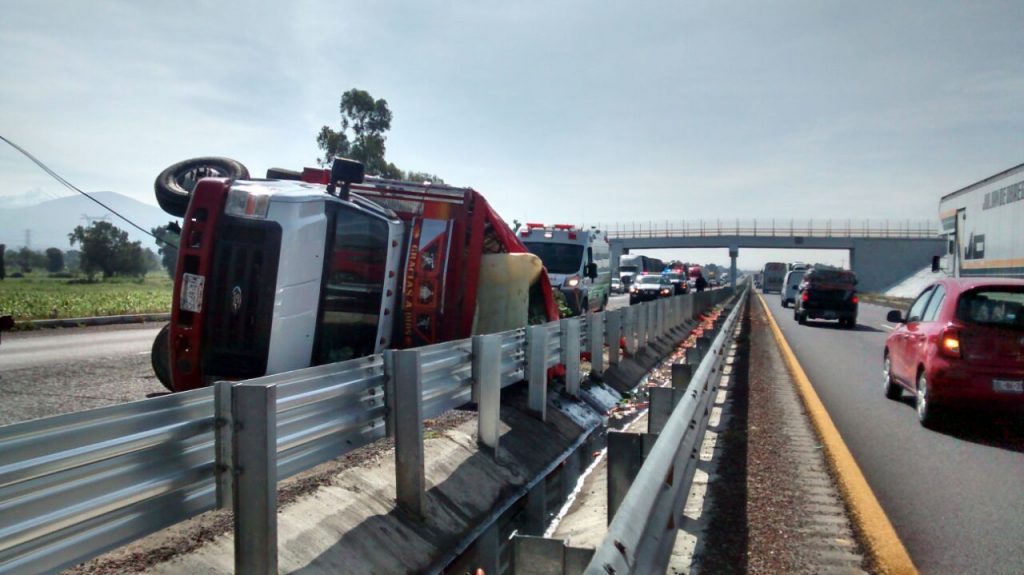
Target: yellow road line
(883,543)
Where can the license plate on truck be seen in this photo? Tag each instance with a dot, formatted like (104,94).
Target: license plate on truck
(1008,385)
(192,292)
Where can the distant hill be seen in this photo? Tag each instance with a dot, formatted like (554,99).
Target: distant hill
(52,221)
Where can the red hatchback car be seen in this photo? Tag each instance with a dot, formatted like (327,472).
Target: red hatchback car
(961,344)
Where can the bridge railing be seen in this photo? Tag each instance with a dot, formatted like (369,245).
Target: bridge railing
(824,228)
(75,485)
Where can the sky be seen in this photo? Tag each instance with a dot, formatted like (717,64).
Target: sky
(587,112)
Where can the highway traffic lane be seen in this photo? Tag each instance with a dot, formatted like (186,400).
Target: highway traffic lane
(30,349)
(955,497)
(50,372)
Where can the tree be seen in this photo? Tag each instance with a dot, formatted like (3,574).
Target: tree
(170,236)
(106,249)
(25,259)
(364,123)
(54,260)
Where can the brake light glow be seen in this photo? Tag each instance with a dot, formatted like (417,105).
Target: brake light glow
(950,346)
(854,299)
(664,291)
(804,296)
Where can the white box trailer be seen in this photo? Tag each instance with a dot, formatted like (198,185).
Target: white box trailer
(984,223)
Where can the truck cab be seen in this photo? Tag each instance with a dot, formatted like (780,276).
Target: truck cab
(325,265)
(578,263)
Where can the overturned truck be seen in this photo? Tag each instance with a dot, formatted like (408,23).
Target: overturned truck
(323,265)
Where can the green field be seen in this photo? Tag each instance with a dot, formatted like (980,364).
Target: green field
(37,296)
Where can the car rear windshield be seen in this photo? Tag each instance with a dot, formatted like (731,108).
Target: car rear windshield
(831,276)
(558,258)
(674,277)
(993,306)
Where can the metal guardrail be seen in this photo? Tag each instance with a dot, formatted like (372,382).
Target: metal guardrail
(829,228)
(76,485)
(649,474)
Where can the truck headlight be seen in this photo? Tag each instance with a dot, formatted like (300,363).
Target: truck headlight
(572,281)
(247,202)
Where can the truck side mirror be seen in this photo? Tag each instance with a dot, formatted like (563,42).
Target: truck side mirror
(592,271)
(894,316)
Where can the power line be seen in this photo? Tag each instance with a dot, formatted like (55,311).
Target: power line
(71,186)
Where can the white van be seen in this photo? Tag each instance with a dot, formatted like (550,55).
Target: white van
(578,263)
(790,287)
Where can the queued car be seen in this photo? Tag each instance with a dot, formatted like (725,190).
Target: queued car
(791,287)
(679,284)
(616,286)
(960,345)
(650,287)
(827,293)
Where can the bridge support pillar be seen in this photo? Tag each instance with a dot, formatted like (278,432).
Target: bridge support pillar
(734,252)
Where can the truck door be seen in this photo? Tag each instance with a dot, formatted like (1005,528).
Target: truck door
(352,292)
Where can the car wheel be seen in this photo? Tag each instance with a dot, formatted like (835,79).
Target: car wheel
(785,303)
(851,323)
(160,357)
(802,318)
(174,185)
(927,415)
(889,386)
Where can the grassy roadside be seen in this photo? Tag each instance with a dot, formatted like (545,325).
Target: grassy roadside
(38,296)
(900,303)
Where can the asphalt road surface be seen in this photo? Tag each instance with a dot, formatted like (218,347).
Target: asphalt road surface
(49,372)
(955,497)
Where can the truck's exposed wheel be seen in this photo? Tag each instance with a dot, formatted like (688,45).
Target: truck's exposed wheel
(160,356)
(175,184)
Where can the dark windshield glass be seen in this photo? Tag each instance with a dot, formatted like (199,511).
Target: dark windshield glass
(674,277)
(353,288)
(558,258)
(1000,307)
(831,276)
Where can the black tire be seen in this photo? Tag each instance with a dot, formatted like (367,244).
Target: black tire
(891,389)
(851,323)
(160,357)
(927,414)
(801,318)
(174,185)
(585,306)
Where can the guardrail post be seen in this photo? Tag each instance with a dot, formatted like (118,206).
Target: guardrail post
(641,326)
(629,329)
(703,344)
(536,369)
(487,380)
(254,409)
(626,454)
(546,556)
(570,334)
(693,356)
(224,431)
(687,307)
(682,373)
(663,401)
(595,341)
(407,404)
(613,336)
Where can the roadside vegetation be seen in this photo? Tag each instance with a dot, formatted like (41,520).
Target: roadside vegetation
(36,295)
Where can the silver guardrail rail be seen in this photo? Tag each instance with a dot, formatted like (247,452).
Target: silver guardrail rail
(642,531)
(74,486)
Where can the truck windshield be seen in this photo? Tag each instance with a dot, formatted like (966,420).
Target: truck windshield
(558,258)
(353,286)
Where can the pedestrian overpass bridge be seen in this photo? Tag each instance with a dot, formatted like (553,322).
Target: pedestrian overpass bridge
(882,252)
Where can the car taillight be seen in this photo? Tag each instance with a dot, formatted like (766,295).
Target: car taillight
(950,346)
(854,299)
(664,291)
(803,296)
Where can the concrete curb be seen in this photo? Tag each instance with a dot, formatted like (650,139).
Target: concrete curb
(91,321)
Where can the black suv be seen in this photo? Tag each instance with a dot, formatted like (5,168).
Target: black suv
(827,293)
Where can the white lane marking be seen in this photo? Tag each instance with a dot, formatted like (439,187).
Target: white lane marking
(887,326)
